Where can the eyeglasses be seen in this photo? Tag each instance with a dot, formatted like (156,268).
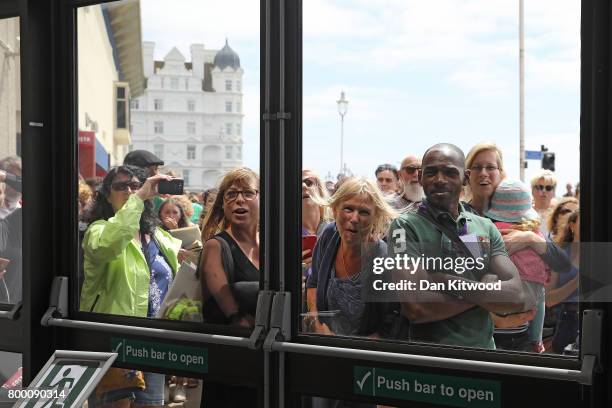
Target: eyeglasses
(231,195)
(541,187)
(489,168)
(411,169)
(124,185)
(309,182)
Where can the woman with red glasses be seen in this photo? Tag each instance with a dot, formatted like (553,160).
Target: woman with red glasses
(129,264)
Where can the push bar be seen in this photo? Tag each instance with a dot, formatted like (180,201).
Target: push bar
(57,313)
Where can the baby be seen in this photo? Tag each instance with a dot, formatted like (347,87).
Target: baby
(510,208)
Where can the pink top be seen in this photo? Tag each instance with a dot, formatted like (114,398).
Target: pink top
(529,264)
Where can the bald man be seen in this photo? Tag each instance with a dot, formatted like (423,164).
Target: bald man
(442,229)
(412,192)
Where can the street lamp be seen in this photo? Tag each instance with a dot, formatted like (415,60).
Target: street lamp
(342,107)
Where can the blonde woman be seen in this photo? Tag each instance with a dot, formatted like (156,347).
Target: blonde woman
(315,216)
(361,214)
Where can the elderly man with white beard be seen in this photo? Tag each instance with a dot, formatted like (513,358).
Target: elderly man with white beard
(412,193)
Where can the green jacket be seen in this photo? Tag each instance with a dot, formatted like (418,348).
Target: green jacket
(116,271)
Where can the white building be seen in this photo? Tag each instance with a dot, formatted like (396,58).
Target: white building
(110,72)
(10,89)
(190,114)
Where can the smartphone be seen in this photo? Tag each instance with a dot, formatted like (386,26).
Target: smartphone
(173,187)
(308,242)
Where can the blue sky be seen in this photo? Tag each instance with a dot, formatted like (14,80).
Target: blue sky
(415,73)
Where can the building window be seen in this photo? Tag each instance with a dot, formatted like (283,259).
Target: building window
(191,128)
(238,107)
(186,177)
(174,83)
(158,150)
(239,85)
(228,152)
(191,105)
(186,83)
(159,127)
(238,129)
(228,106)
(158,104)
(239,152)
(228,85)
(135,104)
(228,128)
(191,152)
(122,118)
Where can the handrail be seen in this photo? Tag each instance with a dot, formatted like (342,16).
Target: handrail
(58,311)
(582,376)
(12,314)
(245,342)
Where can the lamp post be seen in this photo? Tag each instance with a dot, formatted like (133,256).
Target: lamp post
(521,90)
(342,107)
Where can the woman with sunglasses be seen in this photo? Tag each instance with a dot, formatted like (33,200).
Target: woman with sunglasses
(129,264)
(543,186)
(559,215)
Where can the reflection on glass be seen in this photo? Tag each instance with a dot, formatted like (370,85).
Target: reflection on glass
(377,107)
(10,162)
(121,385)
(157,127)
(10,377)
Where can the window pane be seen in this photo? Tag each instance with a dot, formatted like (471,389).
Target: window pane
(424,73)
(10,377)
(177,126)
(10,162)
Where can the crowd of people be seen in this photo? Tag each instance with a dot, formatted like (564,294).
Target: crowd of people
(443,204)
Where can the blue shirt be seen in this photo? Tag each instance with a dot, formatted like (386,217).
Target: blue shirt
(161,276)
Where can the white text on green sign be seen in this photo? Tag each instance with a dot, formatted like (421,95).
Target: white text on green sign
(435,389)
(161,354)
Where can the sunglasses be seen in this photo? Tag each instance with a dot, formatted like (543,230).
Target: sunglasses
(411,169)
(231,195)
(540,187)
(124,185)
(309,182)
(564,211)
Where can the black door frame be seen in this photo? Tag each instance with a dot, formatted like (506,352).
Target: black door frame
(47,98)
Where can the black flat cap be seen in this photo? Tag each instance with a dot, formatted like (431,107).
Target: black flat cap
(142,158)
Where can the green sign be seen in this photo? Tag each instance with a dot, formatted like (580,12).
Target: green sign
(431,388)
(160,354)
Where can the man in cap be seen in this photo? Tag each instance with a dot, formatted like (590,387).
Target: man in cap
(145,160)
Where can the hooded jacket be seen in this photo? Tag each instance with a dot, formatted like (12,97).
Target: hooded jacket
(116,272)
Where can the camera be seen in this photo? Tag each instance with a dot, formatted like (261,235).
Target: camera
(173,187)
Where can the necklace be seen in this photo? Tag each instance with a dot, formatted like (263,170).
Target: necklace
(353,277)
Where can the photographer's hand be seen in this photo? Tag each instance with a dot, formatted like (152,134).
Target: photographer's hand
(149,188)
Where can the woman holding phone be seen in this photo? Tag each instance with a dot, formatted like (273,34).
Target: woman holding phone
(315,217)
(129,264)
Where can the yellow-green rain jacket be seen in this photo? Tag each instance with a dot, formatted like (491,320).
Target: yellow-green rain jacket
(116,271)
